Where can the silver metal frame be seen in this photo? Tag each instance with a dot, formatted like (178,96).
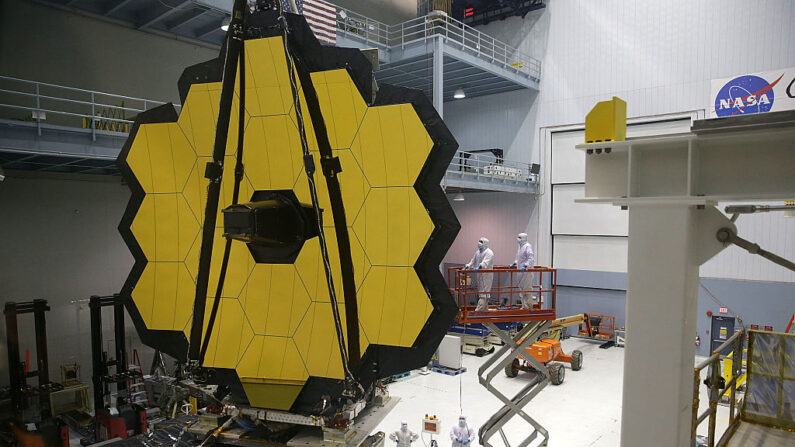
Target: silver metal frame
(63,102)
(466,38)
(513,347)
(480,171)
(715,394)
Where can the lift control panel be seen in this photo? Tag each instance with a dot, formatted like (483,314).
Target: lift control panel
(431,425)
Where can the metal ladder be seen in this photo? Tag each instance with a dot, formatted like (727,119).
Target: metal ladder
(514,348)
(137,385)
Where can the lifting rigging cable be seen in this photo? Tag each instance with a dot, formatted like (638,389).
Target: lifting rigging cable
(330,167)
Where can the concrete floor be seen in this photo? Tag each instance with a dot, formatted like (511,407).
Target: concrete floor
(584,411)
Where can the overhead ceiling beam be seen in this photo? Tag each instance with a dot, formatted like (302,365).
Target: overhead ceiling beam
(196,13)
(158,16)
(205,31)
(117,7)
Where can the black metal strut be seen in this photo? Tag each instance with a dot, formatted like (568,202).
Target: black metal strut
(239,171)
(214,172)
(330,166)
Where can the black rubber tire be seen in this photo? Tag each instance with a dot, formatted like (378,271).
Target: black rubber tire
(556,373)
(576,360)
(480,352)
(512,369)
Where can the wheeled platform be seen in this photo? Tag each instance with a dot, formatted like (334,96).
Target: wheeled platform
(550,354)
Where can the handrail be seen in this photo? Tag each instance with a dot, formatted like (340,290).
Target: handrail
(713,383)
(350,23)
(94,108)
(483,166)
(510,291)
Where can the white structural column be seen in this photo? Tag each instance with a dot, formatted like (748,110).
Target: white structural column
(438,75)
(671,185)
(662,288)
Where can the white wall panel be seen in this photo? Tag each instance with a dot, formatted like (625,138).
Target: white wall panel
(601,254)
(568,164)
(569,217)
(657,56)
(503,121)
(773,232)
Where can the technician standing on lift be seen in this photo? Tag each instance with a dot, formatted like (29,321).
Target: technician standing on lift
(525,259)
(482,259)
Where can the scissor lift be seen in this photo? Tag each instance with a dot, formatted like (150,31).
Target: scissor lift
(505,307)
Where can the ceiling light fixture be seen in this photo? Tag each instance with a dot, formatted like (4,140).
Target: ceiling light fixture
(458,197)
(225,23)
(459,93)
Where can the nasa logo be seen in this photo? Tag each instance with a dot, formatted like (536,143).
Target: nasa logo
(745,95)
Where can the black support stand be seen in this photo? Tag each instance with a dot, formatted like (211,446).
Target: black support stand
(128,417)
(100,363)
(17,372)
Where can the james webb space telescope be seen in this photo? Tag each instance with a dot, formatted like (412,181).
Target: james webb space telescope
(287,226)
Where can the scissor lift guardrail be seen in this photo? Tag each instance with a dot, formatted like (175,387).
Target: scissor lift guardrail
(506,295)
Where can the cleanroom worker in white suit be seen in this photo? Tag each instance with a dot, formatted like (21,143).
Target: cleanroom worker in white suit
(461,434)
(482,259)
(525,259)
(403,437)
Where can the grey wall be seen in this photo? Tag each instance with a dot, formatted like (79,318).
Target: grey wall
(497,216)
(59,234)
(755,302)
(45,44)
(576,300)
(59,242)
(764,303)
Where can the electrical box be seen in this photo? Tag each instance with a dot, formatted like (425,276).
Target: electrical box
(607,121)
(449,352)
(722,328)
(431,425)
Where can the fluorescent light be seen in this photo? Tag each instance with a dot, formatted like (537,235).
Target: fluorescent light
(459,94)
(225,24)
(458,197)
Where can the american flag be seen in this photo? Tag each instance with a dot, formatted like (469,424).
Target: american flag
(321,16)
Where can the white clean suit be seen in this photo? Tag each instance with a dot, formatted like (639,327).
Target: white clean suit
(482,259)
(461,434)
(525,259)
(403,437)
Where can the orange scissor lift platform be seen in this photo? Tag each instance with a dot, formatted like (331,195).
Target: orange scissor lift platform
(505,305)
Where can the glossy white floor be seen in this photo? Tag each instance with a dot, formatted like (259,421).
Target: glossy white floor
(584,411)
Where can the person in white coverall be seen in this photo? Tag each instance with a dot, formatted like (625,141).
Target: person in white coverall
(403,437)
(461,434)
(482,259)
(525,259)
